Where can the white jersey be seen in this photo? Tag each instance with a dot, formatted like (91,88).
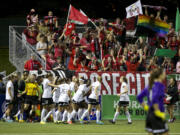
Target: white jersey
(40,45)
(79,95)
(95,85)
(9,85)
(72,86)
(124,97)
(47,90)
(64,89)
(56,95)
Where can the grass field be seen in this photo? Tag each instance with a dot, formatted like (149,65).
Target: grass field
(120,128)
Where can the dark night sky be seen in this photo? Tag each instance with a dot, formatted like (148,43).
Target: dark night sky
(93,8)
(14,12)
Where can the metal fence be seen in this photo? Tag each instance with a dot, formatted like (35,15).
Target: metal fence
(20,50)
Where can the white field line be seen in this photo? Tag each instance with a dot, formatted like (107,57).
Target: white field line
(79,133)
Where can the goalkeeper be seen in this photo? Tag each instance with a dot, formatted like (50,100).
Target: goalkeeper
(155,92)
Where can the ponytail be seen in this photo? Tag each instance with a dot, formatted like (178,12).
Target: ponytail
(154,75)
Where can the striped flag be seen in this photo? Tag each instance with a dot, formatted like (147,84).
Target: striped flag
(77,17)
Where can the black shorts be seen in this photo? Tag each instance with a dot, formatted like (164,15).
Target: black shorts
(9,102)
(123,103)
(61,104)
(33,100)
(81,104)
(21,99)
(47,101)
(154,124)
(93,101)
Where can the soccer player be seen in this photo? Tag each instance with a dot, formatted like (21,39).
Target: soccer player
(93,101)
(56,94)
(78,98)
(47,101)
(9,99)
(155,93)
(123,102)
(64,99)
(31,91)
(21,99)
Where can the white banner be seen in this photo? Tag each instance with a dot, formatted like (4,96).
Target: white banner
(134,9)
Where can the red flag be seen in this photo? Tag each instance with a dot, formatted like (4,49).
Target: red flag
(77,17)
(69,28)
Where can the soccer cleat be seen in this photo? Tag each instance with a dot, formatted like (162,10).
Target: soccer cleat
(100,123)
(111,121)
(58,122)
(64,122)
(15,118)
(173,119)
(169,120)
(21,121)
(69,122)
(10,121)
(55,122)
(42,122)
(81,121)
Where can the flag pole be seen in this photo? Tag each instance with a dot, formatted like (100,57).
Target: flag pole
(93,23)
(89,19)
(68,16)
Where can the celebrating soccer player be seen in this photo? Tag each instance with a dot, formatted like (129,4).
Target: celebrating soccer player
(155,92)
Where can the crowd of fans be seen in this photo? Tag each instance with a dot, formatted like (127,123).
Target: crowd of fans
(103,48)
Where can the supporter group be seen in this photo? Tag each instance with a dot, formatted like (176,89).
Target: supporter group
(105,47)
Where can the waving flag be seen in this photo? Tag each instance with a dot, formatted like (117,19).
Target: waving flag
(177,21)
(134,9)
(150,26)
(155,7)
(77,17)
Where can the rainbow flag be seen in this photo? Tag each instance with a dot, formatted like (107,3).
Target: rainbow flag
(159,27)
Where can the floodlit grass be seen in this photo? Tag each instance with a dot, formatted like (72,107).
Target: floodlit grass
(5,65)
(121,127)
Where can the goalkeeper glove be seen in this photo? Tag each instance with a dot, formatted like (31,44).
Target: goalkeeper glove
(146,108)
(160,114)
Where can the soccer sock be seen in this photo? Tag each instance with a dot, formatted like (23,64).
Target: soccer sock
(47,116)
(73,114)
(80,113)
(54,114)
(61,116)
(76,117)
(58,115)
(97,116)
(21,116)
(8,118)
(128,116)
(69,116)
(43,114)
(115,116)
(86,113)
(64,115)
(30,113)
(4,116)
(18,113)
(89,118)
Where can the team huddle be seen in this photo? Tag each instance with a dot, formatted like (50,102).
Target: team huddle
(72,100)
(67,100)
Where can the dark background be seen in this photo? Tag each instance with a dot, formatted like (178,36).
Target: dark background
(14,12)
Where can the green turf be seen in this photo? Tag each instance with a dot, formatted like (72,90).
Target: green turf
(5,65)
(119,127)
